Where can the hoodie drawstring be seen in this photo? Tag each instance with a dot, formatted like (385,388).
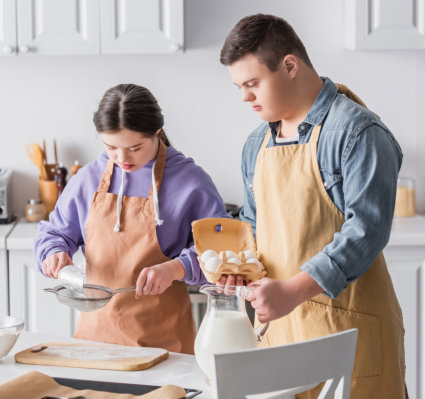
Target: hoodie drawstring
(119,202)
(159,221)
(155,198)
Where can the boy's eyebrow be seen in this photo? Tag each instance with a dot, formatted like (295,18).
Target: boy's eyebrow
(244,83)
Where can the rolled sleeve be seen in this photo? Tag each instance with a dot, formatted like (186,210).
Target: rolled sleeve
(370,166)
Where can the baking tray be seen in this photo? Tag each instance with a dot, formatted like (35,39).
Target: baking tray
(116,387)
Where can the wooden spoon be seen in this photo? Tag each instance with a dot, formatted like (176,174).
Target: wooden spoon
(36,156)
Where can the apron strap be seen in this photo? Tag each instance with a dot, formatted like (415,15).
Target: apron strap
(105,181)
(343,89)
(266,140)
(314,138)
(161,159)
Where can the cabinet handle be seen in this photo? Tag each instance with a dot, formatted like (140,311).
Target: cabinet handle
(24,49)
(8,49)
(175,47)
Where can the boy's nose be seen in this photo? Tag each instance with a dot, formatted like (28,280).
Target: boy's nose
(247,96)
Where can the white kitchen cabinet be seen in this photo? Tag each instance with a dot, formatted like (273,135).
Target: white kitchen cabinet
(40,310)
(5,230)
(67,27)
(49,27)
(385,25)
(405,256)
(135,27)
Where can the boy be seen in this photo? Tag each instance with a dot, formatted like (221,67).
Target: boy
(320,180)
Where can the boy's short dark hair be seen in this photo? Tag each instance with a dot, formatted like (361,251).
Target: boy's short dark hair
(268,37)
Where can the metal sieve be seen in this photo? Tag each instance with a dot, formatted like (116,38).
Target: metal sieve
(92,298)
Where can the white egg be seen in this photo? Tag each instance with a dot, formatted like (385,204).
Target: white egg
(230,254)
(249,254)
(209,253)
(234,260)
(212,264)
(255,260)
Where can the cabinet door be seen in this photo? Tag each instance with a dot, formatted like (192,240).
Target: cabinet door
(137,27)
(58,27)
(383,24)
(7,27)
(4,288)
(406,280)
(40,310)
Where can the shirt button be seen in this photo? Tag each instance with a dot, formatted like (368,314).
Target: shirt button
(326,184)
(302,127)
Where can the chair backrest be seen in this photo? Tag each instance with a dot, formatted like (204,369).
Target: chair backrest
(277,368)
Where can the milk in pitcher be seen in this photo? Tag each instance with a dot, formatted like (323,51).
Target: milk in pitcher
(222,331)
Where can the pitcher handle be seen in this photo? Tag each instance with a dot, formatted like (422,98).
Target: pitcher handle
(260,332)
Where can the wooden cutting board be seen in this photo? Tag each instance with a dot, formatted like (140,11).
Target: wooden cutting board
(92,356)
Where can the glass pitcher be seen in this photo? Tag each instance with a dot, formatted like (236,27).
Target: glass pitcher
(225,327)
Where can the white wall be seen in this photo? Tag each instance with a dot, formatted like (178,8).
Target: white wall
(55,97)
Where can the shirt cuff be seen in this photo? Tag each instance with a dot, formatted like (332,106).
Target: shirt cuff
(326,273)
(192,271)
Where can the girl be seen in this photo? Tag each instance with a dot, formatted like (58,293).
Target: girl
(131,212)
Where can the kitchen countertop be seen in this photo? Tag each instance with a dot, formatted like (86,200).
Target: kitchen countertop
(178,369)
(408,231)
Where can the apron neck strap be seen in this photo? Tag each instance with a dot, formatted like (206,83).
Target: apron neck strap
(266,140)
(314,138)
(105,181)
(161,159)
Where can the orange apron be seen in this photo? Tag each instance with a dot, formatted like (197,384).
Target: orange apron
(296,218)
(115,259)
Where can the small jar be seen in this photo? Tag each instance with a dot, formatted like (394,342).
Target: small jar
(35,211)
(75,168)
(405,199)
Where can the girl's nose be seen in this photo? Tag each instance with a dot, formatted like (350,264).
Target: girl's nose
(121,156)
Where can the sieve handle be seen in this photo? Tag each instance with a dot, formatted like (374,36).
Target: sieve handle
(49,290)
(132,288)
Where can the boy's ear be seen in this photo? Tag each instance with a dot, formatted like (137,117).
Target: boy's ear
(290,64)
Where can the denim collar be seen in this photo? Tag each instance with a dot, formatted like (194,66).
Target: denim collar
(318,111)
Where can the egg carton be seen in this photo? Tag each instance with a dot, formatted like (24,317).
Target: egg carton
(223,235)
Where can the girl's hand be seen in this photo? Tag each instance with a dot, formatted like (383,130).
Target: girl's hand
(54,263)
(154,280)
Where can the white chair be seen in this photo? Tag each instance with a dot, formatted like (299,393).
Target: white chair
(293,368)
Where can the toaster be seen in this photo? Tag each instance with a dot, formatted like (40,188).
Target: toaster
(5,196)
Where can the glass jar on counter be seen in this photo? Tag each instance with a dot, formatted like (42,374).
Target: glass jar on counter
(35,211)
(405,199)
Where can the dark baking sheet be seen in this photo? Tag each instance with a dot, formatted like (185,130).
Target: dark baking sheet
(116,387)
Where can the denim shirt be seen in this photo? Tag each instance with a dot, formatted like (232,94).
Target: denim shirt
(359,160)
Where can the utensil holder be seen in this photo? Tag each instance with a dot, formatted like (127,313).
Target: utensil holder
(48,192)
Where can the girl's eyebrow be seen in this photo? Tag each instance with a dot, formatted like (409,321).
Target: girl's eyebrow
(135,145)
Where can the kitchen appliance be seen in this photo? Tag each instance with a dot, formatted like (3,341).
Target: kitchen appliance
(5,196)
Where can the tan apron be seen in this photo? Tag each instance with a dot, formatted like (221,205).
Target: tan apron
(115,259)
(296,218)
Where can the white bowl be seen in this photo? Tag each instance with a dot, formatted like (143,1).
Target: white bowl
(10,328)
